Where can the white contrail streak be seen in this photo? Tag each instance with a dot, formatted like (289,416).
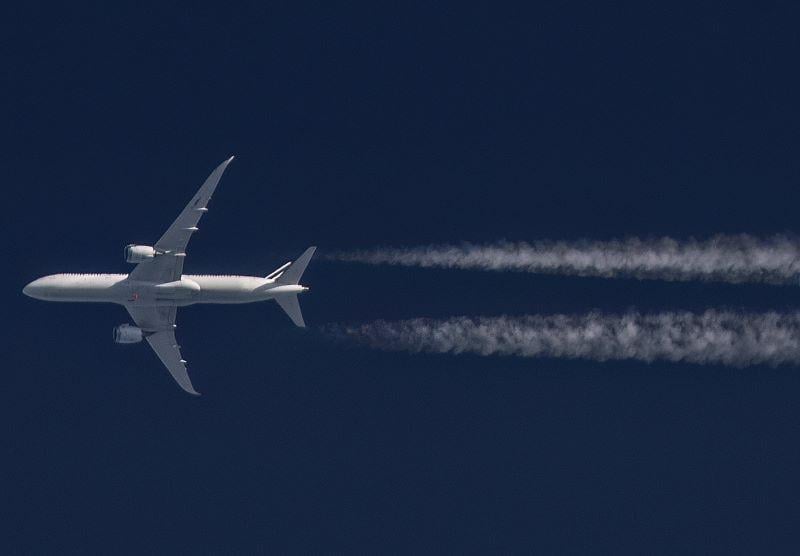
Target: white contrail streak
(733,258)
(712,337)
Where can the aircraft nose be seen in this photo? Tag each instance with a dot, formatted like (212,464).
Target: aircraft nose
(32,289)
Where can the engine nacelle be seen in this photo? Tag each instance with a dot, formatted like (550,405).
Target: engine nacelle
(128,334)
(139,253)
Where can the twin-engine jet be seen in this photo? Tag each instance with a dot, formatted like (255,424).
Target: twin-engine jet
(157,286)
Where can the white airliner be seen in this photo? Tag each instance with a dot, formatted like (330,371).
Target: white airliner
(154,290)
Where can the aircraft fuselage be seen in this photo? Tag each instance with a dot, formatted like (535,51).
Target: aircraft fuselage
(188,290)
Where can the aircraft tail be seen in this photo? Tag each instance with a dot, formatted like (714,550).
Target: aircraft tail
(289,275)
(291,305)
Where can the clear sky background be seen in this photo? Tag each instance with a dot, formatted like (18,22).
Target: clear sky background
(364,125)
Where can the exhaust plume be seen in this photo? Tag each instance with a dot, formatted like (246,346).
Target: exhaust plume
(712,337)
(733,259)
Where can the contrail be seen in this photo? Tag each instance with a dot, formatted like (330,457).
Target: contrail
(722,258)
(713,337)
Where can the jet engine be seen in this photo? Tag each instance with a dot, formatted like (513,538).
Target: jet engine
(139,253)
(127,334)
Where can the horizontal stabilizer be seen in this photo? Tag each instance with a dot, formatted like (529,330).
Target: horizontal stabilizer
(291,305)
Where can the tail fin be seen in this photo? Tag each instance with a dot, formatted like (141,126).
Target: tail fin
(278,271)
(295,270)
(290,274)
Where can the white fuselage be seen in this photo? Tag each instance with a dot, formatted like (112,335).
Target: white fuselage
(190,289)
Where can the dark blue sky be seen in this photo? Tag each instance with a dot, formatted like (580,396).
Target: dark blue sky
(355,126)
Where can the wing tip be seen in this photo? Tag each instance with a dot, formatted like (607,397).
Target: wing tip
(189,389)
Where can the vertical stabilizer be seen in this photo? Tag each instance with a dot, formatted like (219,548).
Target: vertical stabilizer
(295,270)
(289,275)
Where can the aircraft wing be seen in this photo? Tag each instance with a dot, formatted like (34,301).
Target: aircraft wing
(169,265)
(158,324)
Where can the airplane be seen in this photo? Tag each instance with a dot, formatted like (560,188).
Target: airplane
(157,286)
